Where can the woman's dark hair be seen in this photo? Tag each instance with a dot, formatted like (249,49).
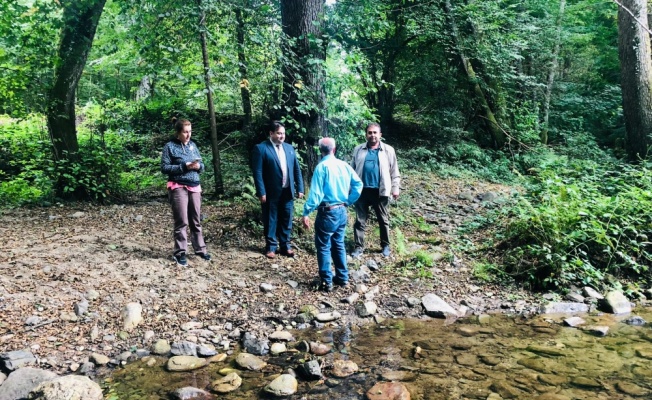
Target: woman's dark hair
(274,125)
(179,124)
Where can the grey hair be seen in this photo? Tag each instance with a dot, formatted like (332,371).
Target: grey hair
(326,145)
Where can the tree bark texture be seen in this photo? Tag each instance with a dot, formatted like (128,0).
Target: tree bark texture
(497,134)
(303,86)
(636,77)
(80,18)
(552,72)
(217,164)
(242,66)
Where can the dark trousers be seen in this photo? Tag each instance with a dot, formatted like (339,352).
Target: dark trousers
(371,198)
(186,211)
(277,221)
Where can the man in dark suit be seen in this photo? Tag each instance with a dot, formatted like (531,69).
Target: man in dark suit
(277,177)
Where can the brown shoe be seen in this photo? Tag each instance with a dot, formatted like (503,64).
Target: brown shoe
(270,254)
(288,253)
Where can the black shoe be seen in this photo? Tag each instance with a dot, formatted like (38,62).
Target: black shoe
(342,284)
(205,256)
(357,253)
(325,286)
(181,259)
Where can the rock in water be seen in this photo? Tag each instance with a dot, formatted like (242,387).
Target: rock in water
(250,362)
(388,391)
(284,385)
(227,384)
(69,387)
(344,368)
(185,363)
(191,393)
(132,316)
(311,370)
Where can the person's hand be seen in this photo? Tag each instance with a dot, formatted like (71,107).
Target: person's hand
(263,199)
(395,195)
(300,195)
(193,165)
(306,222)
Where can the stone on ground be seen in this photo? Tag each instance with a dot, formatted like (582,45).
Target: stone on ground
(436,307)
(615,302)
(564,308)
(69,387)
(20,382)
(132,316)
(13,360)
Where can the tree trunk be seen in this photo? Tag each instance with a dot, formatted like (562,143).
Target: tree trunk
(635,76)
(551,74)
(80,20)
(217,165)
(303,83)
(242,66)
(498,136)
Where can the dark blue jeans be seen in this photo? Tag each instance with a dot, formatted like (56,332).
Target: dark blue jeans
(330,227)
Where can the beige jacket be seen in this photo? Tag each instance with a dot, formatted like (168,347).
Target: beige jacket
(390,178)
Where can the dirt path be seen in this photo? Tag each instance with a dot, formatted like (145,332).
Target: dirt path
(53,258)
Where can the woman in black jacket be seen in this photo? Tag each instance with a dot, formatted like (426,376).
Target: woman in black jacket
(182,164)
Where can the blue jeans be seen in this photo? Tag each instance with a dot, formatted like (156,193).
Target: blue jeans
(330,227)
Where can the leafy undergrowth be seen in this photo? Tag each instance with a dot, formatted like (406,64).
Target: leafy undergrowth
(579,223)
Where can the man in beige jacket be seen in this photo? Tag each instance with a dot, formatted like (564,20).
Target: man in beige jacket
(375,163)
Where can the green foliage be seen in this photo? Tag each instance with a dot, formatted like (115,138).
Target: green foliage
(110,165)
(92,174)
(488,272)
(463,159)
(580,221)
(400,243)
(419,264)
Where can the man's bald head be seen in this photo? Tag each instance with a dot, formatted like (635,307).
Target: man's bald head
(326,146)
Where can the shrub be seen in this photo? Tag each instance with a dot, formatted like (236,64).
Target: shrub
(580,221)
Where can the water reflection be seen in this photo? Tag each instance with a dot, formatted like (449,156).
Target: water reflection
(518,358)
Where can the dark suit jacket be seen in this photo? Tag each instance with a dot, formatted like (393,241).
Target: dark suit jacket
(268,176)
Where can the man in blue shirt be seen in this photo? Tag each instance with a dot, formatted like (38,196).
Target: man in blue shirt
(334,186)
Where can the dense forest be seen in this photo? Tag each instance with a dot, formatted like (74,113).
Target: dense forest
(553,97)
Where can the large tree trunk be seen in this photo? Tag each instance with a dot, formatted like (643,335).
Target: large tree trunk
(217,165)
(635,76)
(497,134)
(552,72)
(242,66)
(80,20)
(303,83)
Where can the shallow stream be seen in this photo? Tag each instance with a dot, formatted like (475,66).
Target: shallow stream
(533,358)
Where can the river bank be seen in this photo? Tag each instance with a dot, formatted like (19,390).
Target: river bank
(71,276)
